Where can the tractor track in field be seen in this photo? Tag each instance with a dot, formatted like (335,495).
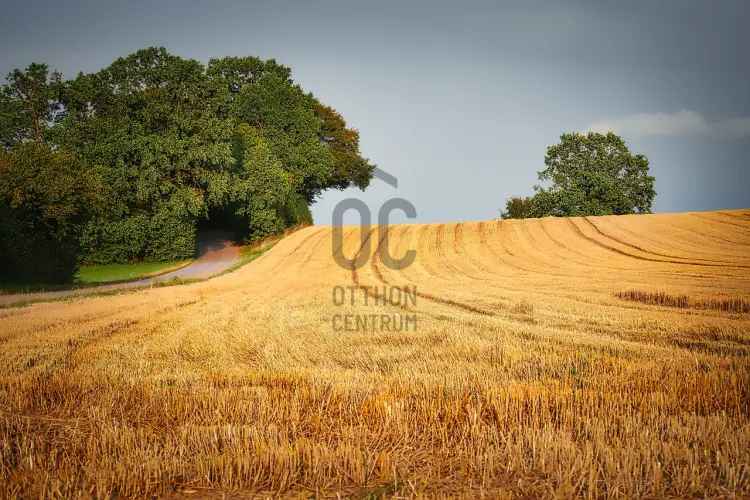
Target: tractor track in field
(642,249)
(614,249)
(723,221)
(428,296)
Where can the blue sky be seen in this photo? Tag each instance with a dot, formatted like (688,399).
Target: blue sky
(459,100)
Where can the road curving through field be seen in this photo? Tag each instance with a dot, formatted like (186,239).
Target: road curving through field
(217,252)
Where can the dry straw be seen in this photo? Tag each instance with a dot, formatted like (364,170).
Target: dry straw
(526,376)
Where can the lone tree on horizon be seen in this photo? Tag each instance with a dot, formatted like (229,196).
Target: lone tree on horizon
(588,174)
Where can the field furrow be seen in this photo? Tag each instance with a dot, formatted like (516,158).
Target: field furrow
(601,357)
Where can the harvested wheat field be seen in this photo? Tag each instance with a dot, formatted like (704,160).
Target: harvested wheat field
(599,356)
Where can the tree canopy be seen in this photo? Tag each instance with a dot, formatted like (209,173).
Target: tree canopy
(176,142)
(588,174)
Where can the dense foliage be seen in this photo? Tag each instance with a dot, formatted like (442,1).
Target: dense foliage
(588,174)
(178,143)
(28,105)
(519,207)
(46,197)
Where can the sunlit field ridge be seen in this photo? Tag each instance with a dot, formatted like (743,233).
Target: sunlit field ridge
(597,356)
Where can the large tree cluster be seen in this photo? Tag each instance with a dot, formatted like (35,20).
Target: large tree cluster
(166,143)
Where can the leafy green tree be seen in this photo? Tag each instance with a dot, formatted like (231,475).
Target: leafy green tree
(262,187)
(592,174)
(154,119)
(28,104)
(46,197)
(236,142)
(518,207)
(167,127)
(349,166)
(310,139)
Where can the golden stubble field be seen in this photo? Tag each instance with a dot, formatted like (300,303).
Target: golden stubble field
(600,357)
